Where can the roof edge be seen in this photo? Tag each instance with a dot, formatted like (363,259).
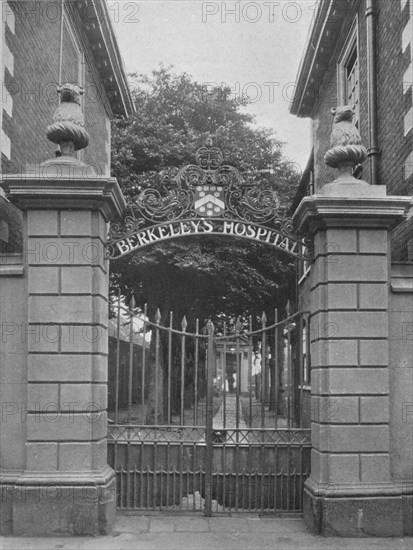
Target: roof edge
(98,27)
(322,38)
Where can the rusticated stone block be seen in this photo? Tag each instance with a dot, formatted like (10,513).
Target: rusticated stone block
(42,338)
(75,456)
(335,410)
(373,241)
(66,368)
(100,281)
(67,309)
(52,425)
(374,353)
(341,381)
(74,397)
(76,223)
(84,339)
(333,353)
(42,222)
(65,251)
(374,409)
(335,469)
(358,268)
(374,296)
(375,468)
(40,396)
(355,324)
(82,456)
(77,280)
(44,280)
(353,439)
(41,456)
(341,240)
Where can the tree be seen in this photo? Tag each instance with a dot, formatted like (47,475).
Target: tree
(199,277)
(221,279)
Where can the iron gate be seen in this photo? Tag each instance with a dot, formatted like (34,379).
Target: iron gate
(207,421)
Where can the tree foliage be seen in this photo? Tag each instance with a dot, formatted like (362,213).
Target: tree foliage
(201,277)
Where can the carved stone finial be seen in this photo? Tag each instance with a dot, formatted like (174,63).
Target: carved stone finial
(68,129)
(346,150)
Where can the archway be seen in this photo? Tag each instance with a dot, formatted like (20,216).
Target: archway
(231,452)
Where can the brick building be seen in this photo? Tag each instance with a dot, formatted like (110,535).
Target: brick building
(34,37)
(30,38)
(360,53)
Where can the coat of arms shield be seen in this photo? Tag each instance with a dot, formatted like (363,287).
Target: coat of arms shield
(209,200)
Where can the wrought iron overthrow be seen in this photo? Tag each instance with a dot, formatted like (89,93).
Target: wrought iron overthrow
(206,197)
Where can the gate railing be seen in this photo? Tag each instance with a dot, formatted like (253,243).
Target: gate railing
(204,420)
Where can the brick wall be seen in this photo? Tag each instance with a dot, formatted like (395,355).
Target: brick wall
(395,108)
(31,88)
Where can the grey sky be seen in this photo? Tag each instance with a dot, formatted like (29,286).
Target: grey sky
(253,47)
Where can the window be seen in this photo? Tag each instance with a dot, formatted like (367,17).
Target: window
(305,343)
(348,74)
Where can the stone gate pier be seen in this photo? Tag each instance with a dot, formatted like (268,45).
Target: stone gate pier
(354,488)
(58,480)
(54,297)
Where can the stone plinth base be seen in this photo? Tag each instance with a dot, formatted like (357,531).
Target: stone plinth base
(58,505)
(371,515)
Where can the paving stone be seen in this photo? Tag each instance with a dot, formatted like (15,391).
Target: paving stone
(229,525)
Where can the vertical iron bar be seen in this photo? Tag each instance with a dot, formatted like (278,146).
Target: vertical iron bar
(142,450)
(131,309)
(168,470)
(128,468)
(157,365)
(196,366)
(238,366)
(276,367)
(117,363)
(143,414)
(184,325)
(209,417)
(224,376)
(301,367)
(155,464)
(250,372)
(263,368)
(288,477)
(289,365)
(308,352)
(170,366)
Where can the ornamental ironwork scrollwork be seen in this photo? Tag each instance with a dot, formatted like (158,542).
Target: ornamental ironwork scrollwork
(156,206)
(208,189)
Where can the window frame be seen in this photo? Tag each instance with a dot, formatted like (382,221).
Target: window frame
(351,46)
(81,72)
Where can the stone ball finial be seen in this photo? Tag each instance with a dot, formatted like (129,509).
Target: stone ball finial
(67,129)
(346,150)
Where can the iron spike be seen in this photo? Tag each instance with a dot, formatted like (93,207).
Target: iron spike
(288,308)
(157,316)
(210,327)
(264,318)
(184,323)
(132,302)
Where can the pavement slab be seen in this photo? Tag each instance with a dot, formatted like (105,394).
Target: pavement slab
(196,532)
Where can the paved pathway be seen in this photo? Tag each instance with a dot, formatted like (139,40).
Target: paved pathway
(231,415)
(246,532)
